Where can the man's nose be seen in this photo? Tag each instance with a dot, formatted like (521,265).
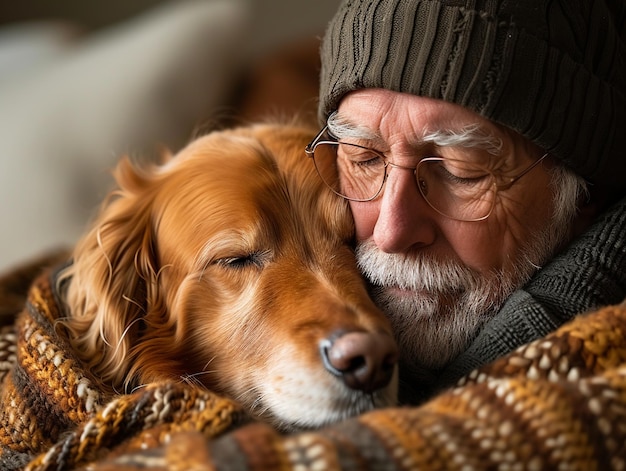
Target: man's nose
(405,219)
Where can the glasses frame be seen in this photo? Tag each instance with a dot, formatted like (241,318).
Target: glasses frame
(317,140)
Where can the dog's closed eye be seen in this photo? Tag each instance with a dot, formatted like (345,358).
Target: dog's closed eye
(251,260)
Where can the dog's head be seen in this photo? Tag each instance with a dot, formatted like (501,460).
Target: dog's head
(231,266)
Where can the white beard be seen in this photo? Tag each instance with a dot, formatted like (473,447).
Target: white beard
(437,307)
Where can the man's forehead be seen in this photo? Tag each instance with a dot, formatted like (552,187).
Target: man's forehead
(379,109)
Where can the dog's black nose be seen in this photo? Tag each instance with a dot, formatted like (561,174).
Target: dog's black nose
(363,360)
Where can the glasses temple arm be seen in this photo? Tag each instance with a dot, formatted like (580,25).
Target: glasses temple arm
(510,183)
(309,147)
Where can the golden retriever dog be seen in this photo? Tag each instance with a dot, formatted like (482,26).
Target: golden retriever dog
(230,266)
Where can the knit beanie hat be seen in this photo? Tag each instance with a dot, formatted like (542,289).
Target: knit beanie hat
(552,70)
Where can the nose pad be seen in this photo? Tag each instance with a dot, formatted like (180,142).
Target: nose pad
(364,361)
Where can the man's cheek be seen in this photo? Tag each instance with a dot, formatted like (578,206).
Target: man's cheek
(365,216)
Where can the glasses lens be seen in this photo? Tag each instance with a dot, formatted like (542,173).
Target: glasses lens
(457,189)
(352,171)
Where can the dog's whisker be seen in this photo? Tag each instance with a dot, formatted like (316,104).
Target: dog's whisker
(208,363)
(250,392)
(191,380)
(199,373)
(259,407)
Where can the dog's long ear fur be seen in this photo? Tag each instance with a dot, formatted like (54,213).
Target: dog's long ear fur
(113,280)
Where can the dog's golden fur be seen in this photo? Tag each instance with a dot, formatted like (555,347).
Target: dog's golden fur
(225,266)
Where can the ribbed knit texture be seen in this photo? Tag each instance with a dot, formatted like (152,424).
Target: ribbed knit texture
(553,71)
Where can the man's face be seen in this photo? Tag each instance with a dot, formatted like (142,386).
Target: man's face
(440,279)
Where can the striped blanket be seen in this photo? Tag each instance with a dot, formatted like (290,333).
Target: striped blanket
(557,403)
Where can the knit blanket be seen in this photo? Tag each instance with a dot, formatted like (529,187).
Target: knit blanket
(559,402)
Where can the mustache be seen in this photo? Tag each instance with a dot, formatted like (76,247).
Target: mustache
(415,272)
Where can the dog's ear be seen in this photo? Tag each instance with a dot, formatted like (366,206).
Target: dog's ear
(113,279)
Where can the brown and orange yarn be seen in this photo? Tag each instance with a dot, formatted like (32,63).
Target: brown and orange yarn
(559,402)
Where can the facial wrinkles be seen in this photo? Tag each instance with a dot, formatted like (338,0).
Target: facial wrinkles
(520,218)
(472,136)
(506,240)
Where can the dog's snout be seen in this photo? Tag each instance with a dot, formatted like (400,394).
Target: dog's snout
(364,361)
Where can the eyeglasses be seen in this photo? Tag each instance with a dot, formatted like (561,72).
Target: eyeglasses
(457,189)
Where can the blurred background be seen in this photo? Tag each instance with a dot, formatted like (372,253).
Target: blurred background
(82,83)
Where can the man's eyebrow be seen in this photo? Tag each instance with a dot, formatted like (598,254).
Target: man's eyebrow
(343,128)
(472,136)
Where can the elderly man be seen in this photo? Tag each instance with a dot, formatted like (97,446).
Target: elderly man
(474,144)
(480,146)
